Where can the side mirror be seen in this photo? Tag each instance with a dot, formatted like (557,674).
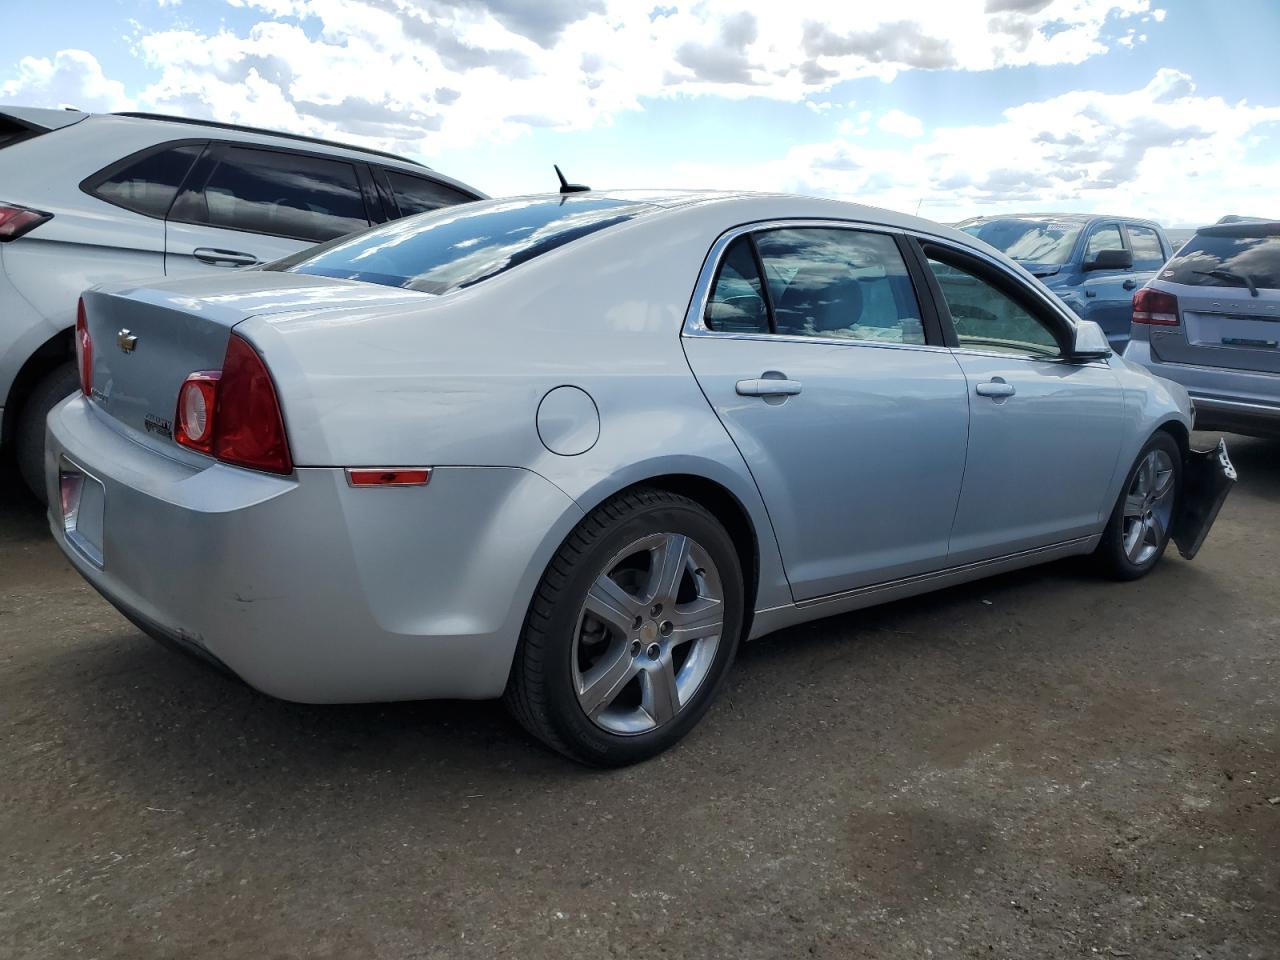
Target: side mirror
(1088,342)
(1111,260)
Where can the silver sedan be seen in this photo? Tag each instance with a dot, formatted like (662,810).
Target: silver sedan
(571,450)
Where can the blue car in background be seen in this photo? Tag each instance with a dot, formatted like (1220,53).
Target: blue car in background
(1093,262)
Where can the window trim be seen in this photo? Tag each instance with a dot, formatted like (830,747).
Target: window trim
(213,155)
(695,317)
(1124,230)
(1012,286)
(91,183)
(1095,228)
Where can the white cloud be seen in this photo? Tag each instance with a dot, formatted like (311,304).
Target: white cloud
(73,78)
(901,124)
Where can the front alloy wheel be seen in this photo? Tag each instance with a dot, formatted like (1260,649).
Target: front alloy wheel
(631,632)
(1138,532)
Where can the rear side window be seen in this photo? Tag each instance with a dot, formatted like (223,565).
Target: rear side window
(847,284)
(1147,251)
(1230,258)
(460,246)
(276,193)
(148,184)
(1103,238)
(737,302)
(418,195)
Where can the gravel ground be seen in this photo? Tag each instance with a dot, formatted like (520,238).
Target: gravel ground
(1036,766)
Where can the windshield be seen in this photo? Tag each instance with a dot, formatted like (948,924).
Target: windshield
(1027,239)
(463,245)
(1213,259)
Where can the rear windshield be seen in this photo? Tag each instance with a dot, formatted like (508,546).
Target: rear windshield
(1224,257)
(11,132)
(460,246)
(1027,239)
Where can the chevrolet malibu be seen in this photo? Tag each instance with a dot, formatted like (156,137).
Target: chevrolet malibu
(571,450)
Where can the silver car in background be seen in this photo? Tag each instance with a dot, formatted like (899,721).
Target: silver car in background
(571,450)
(87,198)
(1210,320)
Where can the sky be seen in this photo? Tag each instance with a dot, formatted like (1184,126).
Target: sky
(1168,109)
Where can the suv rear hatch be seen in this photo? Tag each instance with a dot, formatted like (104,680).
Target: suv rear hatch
(23,123)
(147,340)
(1227,281)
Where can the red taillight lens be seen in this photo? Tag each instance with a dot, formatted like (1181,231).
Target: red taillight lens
(233,414)
(16,221)
(1155,307)
(84,350)
(197,401)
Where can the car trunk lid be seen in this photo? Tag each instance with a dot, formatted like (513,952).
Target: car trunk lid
(148,339)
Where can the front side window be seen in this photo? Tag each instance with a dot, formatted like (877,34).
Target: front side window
(987,319)
(1103,238)
(737,302)
(418,194)
(459,246)
(846,284)
(281,194)
(148,184)
(1147,251)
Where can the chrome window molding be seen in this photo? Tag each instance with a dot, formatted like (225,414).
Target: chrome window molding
(695,317)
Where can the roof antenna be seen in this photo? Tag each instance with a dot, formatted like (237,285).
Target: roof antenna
(566,186)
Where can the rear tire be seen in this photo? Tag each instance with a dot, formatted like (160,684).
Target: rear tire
(631,632)
(52,388)
(1137,534)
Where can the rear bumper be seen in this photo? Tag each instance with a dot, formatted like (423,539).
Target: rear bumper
(1237,401)
(309,589)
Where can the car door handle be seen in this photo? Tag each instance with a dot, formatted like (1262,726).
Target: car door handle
(996,388)
(765,387)
(224,258)
(1129,284)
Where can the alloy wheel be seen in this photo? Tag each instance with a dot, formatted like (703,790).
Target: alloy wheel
(1148,507)
(647,634)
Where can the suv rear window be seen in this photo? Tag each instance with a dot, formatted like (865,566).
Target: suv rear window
(11,132)
(148,184)
(460,246)
(1234,255)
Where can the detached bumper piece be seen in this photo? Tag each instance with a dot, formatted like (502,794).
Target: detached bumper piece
(1207,478)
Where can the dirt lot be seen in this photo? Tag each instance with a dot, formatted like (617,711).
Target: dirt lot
(1041,765)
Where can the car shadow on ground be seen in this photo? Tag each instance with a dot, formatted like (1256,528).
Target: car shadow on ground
(154,716)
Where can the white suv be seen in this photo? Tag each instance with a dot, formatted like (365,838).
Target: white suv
(86,198)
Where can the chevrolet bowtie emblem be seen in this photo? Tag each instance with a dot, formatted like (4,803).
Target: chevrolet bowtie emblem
(126,341)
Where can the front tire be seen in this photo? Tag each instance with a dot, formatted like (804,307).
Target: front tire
(1138,532)
(631,632)
(49,391)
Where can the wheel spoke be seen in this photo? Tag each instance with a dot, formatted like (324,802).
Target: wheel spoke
(1133,538)
(1164,483)
(1134,505)
(610,604)
(1157,529)
(701,618)
(668,568)
(602,684)
(661,699)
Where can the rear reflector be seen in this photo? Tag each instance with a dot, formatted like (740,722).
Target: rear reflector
(84,350)
(16,221)
(1155,307)
(388,476)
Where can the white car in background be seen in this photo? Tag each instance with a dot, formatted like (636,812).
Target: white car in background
(87,198)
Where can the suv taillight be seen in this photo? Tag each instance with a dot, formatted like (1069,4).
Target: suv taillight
(233,414)
(16,221)
(1155,307)
(84,350)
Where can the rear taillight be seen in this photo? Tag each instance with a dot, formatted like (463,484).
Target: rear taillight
(16,221)
(1155,307)
(234,414)
(84,350)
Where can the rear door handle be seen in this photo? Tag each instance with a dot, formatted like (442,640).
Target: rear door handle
(764,387)
(224,258)
(996,388)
